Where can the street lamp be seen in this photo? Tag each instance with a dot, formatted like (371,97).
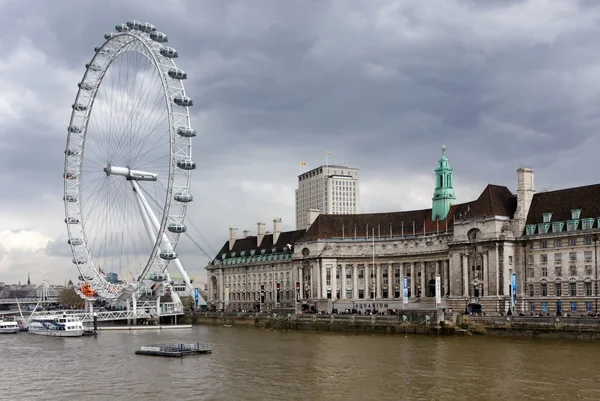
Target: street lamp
(466,306)
(595,239)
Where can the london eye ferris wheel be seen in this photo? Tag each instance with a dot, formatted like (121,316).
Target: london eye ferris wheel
(128,163)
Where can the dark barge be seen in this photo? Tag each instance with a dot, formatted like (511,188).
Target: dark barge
(173,350)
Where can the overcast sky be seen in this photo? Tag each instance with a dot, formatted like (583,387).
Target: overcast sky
(382,85)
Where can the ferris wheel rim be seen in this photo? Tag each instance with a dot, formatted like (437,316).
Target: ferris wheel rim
(104,57)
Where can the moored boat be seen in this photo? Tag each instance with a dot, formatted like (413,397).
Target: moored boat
(57,326)
(8,327)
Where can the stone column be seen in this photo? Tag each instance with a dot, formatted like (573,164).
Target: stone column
(446,277)
(379,278)
(497,271)
(300,280)
(343,282)
(221,286)
(437,271)
(312,282)
(334,282)
(391,281)
(486,276)
(423,292)
(367,281)
(323,280)
(465,272)
(413,279)
(354,281)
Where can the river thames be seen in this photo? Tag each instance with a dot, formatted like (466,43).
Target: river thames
(252,363)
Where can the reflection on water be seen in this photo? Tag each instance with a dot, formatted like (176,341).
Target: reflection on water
(249,363)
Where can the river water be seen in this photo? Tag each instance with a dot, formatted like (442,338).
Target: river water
(253,364)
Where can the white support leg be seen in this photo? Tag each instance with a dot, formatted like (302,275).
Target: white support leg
(150,214)
(134,305)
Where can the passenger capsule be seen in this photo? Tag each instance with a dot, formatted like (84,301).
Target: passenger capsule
(86,278)
(176,73)
(121,28)
(168,255)
(157,277)
(69,176)
(159,37)
(186,132)
(183,197)
(79,107)
(147,27)
(133,24)
(177,228)
(70,198)
(79,262)
(169,52)
(109,35)
(72,220)
(70,152)
(103,50)
(186,164)
(85,86)
(93,67)
(75,241)
(183,101)
(75,129)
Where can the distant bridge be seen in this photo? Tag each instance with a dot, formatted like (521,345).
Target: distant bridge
(14,301)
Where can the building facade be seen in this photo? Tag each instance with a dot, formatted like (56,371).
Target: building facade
(327,189)
(526,252)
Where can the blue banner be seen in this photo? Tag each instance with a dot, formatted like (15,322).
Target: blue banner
(196,294)
(514,289)
(405,291)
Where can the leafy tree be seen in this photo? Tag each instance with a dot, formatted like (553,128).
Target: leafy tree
(69,297)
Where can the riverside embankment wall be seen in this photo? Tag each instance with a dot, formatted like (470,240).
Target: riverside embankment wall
(419,321)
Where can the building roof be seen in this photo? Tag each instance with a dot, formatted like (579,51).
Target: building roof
(495,200)
(561,202)
(250,243)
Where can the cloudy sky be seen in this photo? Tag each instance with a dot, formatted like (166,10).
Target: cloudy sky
(382,85)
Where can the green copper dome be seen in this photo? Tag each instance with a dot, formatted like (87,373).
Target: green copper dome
(443,196)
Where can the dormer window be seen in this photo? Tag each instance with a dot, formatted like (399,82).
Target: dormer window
(547,217)
(252,252)
(557,227)
(586,224)
(543,228)
(263,251)
(274,250)
(530,229)
(575,213)
(572,225)
(242,253)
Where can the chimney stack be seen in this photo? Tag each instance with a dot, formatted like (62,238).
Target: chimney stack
(232,237)
(276,229)
(525,192)
(260,233)
(246,233)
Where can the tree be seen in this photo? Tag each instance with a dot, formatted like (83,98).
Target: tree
(69,297)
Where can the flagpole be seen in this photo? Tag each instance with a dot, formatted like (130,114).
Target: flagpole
(374,272)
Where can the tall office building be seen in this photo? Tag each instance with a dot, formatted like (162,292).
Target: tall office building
(329,189)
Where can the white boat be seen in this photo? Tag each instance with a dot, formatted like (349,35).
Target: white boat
(56,326)
(8,327)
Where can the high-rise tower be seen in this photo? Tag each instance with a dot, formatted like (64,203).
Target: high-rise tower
(443,196)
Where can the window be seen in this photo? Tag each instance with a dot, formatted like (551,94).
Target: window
(575,213)
(531,245)
(543,228)
(531,293)
(573,289)
(547,217)
(361,274)
(573,306)
(587,255)
(588,306)
(544,287)
(510,260)
(586,224)
(328,277)
(573,256)
(557,289)
(588,270)
(557,227)
(588,289)
(572,241)
(531,307)
(557,243)
(572,270)
(588,240)
(544,244)
(572,225)
(531,273)
(544,306)
(544,271)
(558,258)
(530,229)
(544,258)
(530,259)
(557,271)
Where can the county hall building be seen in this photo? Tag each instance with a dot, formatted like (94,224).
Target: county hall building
(547,240)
